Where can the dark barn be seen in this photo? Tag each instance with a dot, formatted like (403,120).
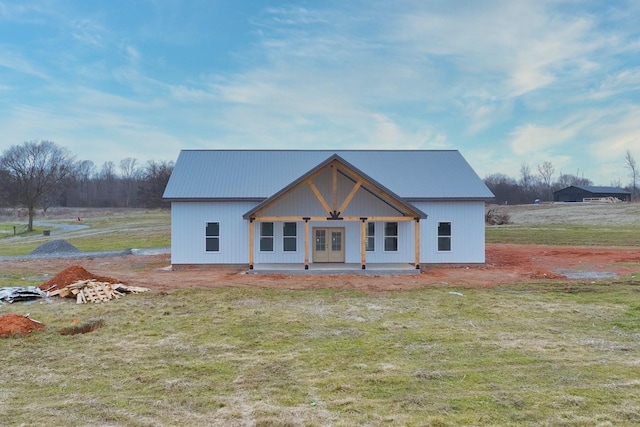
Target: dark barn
(581,193)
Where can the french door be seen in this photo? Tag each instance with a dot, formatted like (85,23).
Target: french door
(328,245)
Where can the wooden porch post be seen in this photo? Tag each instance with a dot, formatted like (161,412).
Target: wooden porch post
(251,243)
(306,242)
(363,242)
(417,239)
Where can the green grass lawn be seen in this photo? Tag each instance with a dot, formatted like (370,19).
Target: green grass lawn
(539,354)
(135,228)
(527,355)
(565,234)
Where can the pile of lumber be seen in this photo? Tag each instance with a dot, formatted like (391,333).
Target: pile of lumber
(95,291)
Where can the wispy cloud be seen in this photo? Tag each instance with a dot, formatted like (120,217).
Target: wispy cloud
(624,82)
(502,81)
(615,133)
(87,31)
(17,62)
(533,138)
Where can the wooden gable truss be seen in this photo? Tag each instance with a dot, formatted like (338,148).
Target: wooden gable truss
(334,207)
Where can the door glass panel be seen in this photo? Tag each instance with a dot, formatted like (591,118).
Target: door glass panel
(321,240)
(336,241)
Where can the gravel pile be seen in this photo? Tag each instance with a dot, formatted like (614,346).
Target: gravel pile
(55,247)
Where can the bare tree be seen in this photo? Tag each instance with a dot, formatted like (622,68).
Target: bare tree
(633,173)
(155,178)
(106,183)
(525,176)
(503,187)
(566,180)
(546,171)
(129,172)
(85,170)
(36,170)
(108,171)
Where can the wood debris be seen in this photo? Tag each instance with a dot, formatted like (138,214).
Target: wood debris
(95,291)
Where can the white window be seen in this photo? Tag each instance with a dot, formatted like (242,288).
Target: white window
(371,236)
(444,236)
(289,236)
(212,237)
(266,237)
(391,236)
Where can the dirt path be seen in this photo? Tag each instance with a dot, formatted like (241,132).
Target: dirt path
(506,264)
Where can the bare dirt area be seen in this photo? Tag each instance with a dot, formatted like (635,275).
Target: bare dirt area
(506,264)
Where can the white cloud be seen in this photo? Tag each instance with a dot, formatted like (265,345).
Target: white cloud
(509,48)
(623,82)
(504,81)
(292,15)
(133,55)
(17,62)
(616,134)
(88,32)
(533,138)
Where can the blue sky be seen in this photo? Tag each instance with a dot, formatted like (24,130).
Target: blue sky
(505,82)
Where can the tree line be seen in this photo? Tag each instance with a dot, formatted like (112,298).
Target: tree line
(41,174)
(541,183)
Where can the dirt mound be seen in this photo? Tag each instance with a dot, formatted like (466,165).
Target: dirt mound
(71,275)
(15,325)
(55,247)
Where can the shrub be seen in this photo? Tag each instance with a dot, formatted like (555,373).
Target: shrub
(494,217)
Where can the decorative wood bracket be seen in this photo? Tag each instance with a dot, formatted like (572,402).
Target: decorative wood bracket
(334,216)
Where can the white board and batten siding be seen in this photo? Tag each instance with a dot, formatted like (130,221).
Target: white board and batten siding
(188,225)
(467,232)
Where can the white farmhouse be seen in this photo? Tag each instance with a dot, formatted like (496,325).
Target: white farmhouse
(306,208)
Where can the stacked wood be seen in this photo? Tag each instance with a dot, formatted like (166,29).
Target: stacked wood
(71,275)
(95,291)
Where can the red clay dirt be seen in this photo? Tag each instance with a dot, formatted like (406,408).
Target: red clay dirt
(12,325)
(71,275)
(505,264)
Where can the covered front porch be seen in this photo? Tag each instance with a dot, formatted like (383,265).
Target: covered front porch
(322,211)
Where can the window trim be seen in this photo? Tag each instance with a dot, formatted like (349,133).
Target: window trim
(212,237)
(265,237)
(370,236)
(448,237)
(393,237)
(292,237)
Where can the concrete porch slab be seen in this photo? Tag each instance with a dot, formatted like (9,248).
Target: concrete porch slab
(336,268)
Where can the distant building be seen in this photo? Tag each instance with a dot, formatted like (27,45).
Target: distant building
(581,193)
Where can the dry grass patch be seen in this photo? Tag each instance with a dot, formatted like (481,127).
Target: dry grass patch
(234,357)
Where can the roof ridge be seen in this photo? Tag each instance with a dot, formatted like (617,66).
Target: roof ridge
(398,150)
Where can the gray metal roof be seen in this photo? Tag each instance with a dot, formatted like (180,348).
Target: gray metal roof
(371,185)
(258,174)
(597,189)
